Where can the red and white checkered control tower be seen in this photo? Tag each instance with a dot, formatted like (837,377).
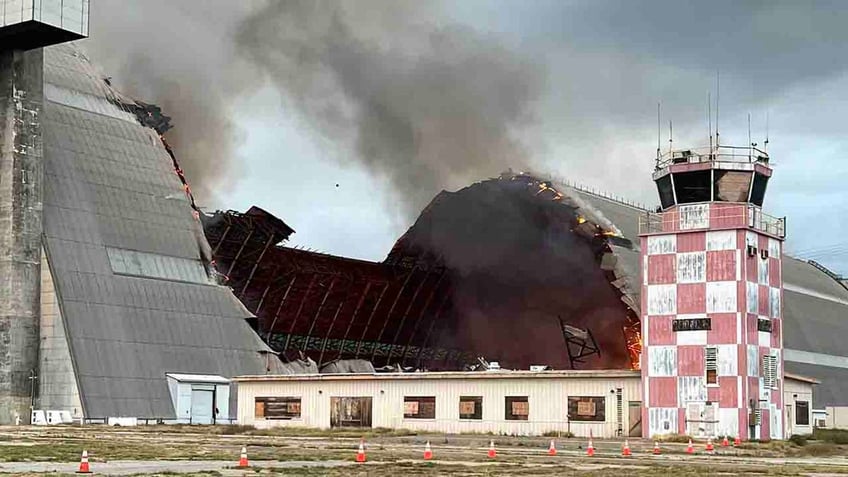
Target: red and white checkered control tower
(712,296)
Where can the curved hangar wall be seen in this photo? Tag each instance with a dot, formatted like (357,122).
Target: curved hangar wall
(132,299)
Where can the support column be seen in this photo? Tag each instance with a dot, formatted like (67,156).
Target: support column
(21,172)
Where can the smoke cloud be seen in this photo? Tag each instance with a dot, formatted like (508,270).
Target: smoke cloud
(179,56)
(422,104)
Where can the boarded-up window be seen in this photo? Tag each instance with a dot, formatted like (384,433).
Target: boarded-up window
(802,413)
(277,407)
(517,408)
(711,364)
(470,407)
(586,408)
(350,411)
(418,407)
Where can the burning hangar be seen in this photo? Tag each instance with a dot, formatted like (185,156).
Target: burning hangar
(111,279)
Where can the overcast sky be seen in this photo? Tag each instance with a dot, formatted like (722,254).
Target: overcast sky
(344,118)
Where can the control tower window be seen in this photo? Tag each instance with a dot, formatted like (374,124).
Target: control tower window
(666,194)
(732,186)
(758,191)
(692,186)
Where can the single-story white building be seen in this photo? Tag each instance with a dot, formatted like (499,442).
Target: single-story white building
(503,402)
(607,403)
(798,404)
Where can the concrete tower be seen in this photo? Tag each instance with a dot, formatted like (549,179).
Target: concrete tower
(25,27)
(712,297)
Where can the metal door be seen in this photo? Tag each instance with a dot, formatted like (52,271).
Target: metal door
(634,417)
(202,402)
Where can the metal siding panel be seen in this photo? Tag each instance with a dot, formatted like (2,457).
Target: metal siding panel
(661,269)
(659,331)
(690,360)
(691,298)
(663,392)
(721,265)
(691,242)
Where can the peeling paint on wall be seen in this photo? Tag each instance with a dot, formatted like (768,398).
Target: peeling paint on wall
(662,361)
(662,420)
(691,388)
(721,240)
(721,297)
(692,267)
(752,297)
(695,216)
(662,299)
(660,244)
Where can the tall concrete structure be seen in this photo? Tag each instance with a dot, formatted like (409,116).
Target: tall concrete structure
(711,301)
(24,28)
(107,289)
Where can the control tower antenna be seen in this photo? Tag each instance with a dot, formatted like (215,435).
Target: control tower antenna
(670,136)
(765,144)
(658,135)
(710,121)
(718,95)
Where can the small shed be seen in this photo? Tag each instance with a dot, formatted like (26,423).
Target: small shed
(798,403)
(200,398)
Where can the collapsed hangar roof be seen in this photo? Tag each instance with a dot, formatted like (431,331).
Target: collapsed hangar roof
(815,314)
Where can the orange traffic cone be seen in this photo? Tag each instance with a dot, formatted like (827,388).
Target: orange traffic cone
(590,449)
(656,448)
(83,468)
(710,447)
(428,452)
(736,441)
(690,449)
(360,454)
(492,453)
(626,450)
(724,442)
(243,458)
(552,448)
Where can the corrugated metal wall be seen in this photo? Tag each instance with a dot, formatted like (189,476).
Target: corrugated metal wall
(547,397)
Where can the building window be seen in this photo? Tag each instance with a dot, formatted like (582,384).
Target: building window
(517,408)
(586,408)
(419,407)
(471,407)
(711,364)
(277,408)
(802,413)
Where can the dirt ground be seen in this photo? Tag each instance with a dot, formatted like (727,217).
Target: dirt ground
(168,450)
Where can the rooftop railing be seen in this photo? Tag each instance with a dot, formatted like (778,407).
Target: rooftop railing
(749,154)
(728,216)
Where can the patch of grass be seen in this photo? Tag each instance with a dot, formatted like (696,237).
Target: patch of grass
(798,439)
(834,436)
(561,434)
(680,438)
(819,449)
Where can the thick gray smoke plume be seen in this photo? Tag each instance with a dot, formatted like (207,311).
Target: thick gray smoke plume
(422,104)
(179,56)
